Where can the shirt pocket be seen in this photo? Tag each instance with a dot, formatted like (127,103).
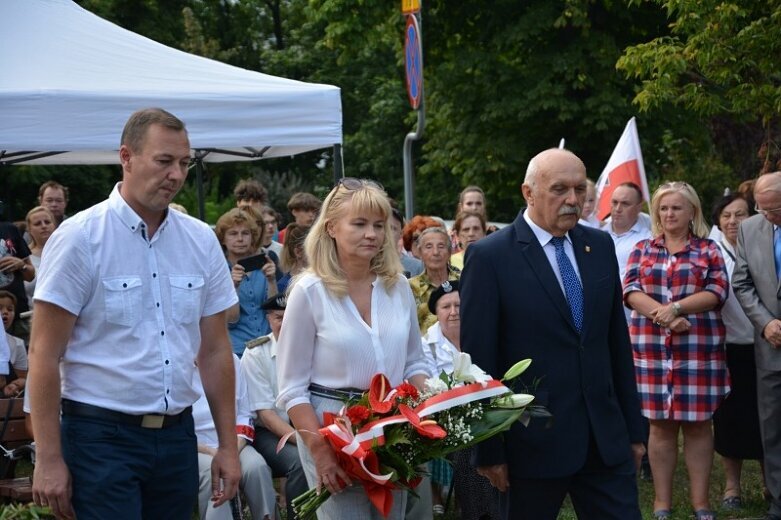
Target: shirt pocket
(186,293)
(122,298)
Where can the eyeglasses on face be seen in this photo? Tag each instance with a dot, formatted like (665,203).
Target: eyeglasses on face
(766,211)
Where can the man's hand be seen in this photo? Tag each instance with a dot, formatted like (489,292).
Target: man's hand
(52,487)
(497,475)
(772,333)
(638,450)
(226,473)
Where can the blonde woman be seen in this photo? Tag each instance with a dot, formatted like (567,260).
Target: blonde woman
(676,283)
(349,316)
(40,226)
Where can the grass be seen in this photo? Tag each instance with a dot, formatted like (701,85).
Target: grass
(754,505)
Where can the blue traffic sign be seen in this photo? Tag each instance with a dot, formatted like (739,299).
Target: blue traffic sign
(413,61)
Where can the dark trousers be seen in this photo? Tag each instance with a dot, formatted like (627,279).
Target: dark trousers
(123,472)
(286,463)
(598,492)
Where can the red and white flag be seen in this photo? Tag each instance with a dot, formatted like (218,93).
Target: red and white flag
(625,165)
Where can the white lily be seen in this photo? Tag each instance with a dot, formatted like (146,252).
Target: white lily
(514,401)
(465,372)
(517,369)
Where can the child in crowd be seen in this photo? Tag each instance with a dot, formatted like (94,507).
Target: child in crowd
(16,379)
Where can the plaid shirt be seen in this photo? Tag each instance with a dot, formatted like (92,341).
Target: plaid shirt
(680,376)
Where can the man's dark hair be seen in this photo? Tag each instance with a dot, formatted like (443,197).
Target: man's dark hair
(633,186)
(138,124)
(250,189)
(54,185)
(304,201)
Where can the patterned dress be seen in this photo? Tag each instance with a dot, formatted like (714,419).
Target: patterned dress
(680,376)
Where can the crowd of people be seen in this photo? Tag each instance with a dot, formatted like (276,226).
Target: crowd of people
(223,349)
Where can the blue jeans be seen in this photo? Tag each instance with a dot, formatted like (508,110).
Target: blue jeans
(123,472)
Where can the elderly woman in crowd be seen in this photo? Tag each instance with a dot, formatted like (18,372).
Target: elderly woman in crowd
(293,259)
(350,316)
(736,422)
(412,230)
(477,498)
(40,226)
(469,227)
(238,232)
(676,283)
(434,246)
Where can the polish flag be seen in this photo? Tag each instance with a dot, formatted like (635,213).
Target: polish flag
(625,165)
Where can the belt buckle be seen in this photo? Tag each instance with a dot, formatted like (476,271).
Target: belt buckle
(153,421)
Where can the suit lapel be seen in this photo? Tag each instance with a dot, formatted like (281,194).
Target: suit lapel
(538,261)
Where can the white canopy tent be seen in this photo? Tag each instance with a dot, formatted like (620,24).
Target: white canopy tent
(70,79)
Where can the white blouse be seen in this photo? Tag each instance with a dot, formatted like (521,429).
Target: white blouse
(325,341)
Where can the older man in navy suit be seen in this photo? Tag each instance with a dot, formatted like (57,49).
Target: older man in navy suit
(548,289)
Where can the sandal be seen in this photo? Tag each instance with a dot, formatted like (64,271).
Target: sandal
(662,514)
(732,503)
(704,514)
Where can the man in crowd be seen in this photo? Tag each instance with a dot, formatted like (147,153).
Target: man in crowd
(625,227)
(755,282)
(15,265)
(128,296)
(54,196)
(250,192)
(304,207)
(547,289)
(259,368)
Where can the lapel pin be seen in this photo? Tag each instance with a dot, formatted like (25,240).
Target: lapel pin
(588,249)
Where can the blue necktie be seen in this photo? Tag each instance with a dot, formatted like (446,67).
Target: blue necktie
(777,251)
(572,287)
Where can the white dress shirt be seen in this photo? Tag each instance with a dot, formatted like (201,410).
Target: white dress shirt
(544,239)
(205,430)
(325,341)
(739,328)
(138,304)
(259,369)
(439,351)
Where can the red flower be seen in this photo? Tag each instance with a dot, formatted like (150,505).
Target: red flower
(378,391)
(426,428)
(357,414)
(407,390)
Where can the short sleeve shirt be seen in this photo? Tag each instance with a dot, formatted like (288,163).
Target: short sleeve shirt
(138,303)
(12,244)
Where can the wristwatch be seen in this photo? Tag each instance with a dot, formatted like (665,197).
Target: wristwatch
(677,308)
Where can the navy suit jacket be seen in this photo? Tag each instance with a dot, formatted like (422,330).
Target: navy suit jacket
(512,308)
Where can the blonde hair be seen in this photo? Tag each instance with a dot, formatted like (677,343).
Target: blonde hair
(37,209)
(320,247)
(237,217)
(697,226)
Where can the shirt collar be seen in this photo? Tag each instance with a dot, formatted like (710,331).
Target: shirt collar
(637,227)
(543,237)
(127,215)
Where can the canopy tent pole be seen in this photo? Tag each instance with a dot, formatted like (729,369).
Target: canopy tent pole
(199,155)
(338,163)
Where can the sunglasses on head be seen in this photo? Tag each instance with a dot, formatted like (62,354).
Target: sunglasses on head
(351,183)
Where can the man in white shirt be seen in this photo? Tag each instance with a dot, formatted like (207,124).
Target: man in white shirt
(128,295)
(625,227)
(259,369)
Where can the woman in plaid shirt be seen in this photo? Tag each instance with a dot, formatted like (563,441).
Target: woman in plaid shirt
(676,283)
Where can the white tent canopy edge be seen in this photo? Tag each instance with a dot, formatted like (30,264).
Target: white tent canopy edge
(70,80)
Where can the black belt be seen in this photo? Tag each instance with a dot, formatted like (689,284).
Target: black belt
(154,421)
(340,394)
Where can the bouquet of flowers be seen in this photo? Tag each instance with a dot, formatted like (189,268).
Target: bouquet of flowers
(382,438)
